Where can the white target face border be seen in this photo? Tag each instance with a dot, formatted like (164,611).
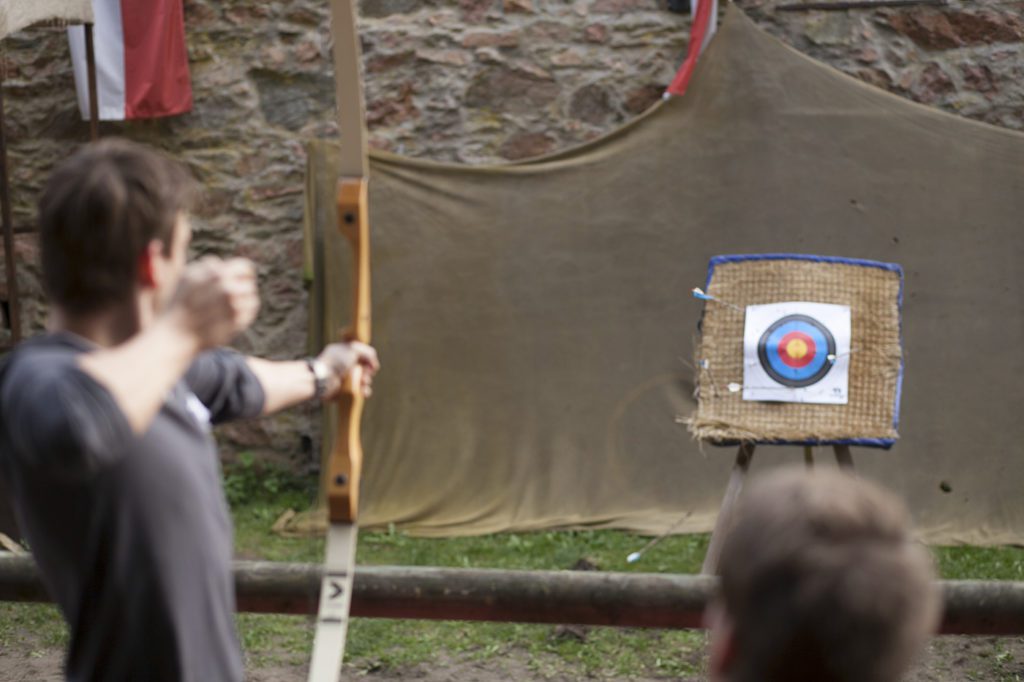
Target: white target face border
(832,389)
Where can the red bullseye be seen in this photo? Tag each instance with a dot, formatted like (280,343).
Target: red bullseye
(797,349)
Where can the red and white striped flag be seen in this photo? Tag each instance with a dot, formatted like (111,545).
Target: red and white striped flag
(705,23)
(141,60)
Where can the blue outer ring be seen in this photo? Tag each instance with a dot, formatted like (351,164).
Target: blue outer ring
(778,363)
(796,377)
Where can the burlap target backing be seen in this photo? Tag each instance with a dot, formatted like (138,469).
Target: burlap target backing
(873,292)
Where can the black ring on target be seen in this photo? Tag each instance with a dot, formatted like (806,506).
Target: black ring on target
(795,322)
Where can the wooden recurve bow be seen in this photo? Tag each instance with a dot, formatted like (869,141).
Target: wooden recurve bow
(345,462)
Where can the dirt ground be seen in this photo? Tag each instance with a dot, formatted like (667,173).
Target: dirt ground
(948,659)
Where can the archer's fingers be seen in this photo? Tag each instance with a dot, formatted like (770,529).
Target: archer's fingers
(240,268)
(366,356)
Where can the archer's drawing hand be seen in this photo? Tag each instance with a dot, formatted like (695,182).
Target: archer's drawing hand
(342,358)
(216,300)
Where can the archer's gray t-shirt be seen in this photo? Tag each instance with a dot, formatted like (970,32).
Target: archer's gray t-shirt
(131,533)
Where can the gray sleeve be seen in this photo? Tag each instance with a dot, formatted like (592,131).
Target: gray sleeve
(59,418)
(223,382)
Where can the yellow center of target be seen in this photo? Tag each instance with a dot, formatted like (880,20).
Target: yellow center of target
(796,349)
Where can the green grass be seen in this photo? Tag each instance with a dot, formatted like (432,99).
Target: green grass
(980,563)
(259,494)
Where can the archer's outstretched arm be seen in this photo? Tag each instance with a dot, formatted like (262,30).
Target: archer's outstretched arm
(287,383)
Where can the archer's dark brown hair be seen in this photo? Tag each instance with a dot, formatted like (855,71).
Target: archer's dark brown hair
(822,581)
(97,214)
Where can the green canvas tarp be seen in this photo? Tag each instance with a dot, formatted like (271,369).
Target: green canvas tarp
(536,325)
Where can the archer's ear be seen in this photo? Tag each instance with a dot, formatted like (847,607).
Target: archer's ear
(722,647)
(148,264)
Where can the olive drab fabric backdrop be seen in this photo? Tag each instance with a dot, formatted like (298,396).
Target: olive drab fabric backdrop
(536,325)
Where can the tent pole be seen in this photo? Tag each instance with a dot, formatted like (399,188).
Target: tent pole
(90,60)
(13,302)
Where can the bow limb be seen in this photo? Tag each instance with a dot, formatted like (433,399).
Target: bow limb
(344,466)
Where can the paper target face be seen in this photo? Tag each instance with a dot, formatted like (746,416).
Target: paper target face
(797,352)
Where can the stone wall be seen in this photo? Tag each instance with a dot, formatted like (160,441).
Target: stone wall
(472,81)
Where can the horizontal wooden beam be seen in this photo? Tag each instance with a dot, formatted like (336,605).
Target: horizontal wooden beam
(652,600)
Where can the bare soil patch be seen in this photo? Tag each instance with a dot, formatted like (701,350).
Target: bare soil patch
(948,659)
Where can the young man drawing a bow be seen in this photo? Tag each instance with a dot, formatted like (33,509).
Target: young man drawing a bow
(104,421)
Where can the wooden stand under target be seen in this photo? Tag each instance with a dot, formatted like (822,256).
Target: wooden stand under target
(732,493)
(830,305)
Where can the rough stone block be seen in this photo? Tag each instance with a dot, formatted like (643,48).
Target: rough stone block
(943,30)
(592,104)
(525,145)
(490,39)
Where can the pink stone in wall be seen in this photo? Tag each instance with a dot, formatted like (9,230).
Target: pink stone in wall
(927,28)
(876,77)
(490,39)
(932,84)
(307,51)
(548,31)
(867,55)
(943,30)
(387,62)
(531,69)
(522,6)
(622,6)
(525,145)
(639,100)
(449,57)
(393,110)
(475,11)
(568,57)
(596,33)
(978,77)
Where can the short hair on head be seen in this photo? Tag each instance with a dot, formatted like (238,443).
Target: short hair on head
(822,581)
(97,214)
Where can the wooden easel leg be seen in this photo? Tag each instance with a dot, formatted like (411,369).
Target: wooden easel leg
(843,458)
(808,457)
(724,522)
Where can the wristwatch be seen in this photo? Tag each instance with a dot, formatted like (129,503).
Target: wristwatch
(320,375)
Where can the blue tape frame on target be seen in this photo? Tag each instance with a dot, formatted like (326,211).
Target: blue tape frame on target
(884,443)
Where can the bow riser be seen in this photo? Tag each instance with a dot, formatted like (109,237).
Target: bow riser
(354,224)
(346,462)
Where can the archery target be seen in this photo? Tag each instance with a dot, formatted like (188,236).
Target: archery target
(796,352)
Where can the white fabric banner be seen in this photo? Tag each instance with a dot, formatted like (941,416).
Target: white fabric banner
(108,42)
